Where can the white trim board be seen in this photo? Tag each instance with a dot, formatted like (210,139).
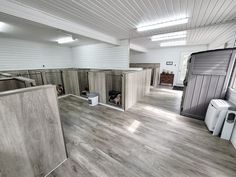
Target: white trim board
(103,104)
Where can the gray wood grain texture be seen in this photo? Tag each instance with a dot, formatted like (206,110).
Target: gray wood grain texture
(71,82)
(12,83)
(37,76)
(102,142)
(207,78)
(114,81)
(31,143)
(155,79)
(83,80)
(97,83)
(53,76)
(137,84)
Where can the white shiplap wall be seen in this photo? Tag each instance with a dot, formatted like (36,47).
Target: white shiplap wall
(162,55)
(21,54)
(101,55)
(228,36)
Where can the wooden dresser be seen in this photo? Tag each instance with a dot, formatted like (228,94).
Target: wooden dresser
(167,79)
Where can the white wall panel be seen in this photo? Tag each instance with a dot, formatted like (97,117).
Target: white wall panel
(165,54)
(228,36)
(21,54)
(101,56)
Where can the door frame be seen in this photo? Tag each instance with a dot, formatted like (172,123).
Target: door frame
(178,82)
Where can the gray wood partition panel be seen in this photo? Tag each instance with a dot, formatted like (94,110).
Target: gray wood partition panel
(115,81)
(207,78)
(83,80)
(97,83)
(53,76)
(12,83)
(31,142)
(71,82)
(155,75)
(9,84)
(137,84)
(37,76)
(15,73)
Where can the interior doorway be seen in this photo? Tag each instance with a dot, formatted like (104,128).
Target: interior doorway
(183,67)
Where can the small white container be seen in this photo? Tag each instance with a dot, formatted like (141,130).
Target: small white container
(93,99)
(229,125)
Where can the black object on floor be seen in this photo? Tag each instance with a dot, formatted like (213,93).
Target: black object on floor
(178,88)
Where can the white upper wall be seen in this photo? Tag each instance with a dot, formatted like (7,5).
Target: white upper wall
(21,54)
(162,55)
(101,55)
(228,37)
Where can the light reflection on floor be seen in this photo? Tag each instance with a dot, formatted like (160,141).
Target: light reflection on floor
(159,111)
(132,128)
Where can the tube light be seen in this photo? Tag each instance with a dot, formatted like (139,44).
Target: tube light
(173,43)
(167,36)
(65,40)
(163,25)
(2,26)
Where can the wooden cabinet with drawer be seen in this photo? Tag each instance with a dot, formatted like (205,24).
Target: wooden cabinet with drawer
(166,79)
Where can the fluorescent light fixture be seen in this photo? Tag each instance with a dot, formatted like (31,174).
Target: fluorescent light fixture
(2,26)
(163,25)
(173,43)
(66,40)
(167,36)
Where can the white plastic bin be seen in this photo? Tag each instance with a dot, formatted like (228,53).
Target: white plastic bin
(214,110)
(229,125)
(93,99)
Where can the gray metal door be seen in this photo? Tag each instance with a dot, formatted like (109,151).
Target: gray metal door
(207,78)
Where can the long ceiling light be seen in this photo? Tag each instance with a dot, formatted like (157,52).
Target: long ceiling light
(163,25)
(66,40)
(173,43)
(2,26)
(167,36)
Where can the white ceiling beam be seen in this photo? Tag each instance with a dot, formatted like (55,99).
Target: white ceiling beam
(35,15)
(137,48)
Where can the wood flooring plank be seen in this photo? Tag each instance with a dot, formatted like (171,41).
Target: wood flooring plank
(151,139)
(31,143)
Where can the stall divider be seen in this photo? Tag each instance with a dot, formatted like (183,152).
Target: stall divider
(137,84)
(120,89)
(97,83)
(71,82)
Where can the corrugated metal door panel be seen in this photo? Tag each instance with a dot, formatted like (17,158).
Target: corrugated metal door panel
(189,93)
(211,92)
(207,78)
(196,94)
(215,63)
(219,89)
(203,94)
(218,53)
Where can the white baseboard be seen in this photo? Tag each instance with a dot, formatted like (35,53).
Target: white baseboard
(103,104)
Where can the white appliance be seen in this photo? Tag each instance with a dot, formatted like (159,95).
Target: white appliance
(217,110)
(228,125)
(93,99)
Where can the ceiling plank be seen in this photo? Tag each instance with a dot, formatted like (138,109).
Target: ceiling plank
(38,16)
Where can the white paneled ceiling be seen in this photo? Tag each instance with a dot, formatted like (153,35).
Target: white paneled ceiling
(28,30)
(119,18)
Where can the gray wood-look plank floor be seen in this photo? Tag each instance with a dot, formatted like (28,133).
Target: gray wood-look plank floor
(149,140)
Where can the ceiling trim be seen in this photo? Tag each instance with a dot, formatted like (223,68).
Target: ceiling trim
(137,48)
(32,14)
